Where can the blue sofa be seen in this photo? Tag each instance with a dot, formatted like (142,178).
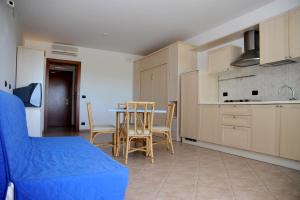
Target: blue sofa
(53,168)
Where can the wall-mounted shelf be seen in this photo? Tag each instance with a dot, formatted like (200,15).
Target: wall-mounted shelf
(225,39)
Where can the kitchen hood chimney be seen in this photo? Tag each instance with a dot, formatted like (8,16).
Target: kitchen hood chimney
(251,46)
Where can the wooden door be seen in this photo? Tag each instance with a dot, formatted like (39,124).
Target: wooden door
(154,88)
(208,126)
(290,132)
(274,39)
(189,102)
(60,98)
(146,85)
(294,32)
(265,129)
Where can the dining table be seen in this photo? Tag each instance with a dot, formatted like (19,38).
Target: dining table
(122,111)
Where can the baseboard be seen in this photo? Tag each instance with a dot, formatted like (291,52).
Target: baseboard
(247,154)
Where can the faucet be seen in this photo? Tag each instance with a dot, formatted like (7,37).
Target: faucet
(289,87)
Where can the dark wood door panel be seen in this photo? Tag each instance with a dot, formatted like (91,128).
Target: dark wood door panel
(60,98)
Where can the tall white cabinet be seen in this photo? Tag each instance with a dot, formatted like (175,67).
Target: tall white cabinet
(31,69)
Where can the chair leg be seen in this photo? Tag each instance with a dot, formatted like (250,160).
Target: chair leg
(127,149)
(167,141)
(170,142)
(151,149)
(91,137)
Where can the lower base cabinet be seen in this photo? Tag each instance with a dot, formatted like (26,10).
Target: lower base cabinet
(290,131)
(238,137)
(265,129)
(208,127)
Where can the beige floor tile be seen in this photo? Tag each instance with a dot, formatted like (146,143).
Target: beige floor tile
(252,184)
(138,195)
(213,193)
(177,191)
(253,195)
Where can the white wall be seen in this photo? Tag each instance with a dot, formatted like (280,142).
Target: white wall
(8,41)
(106,79)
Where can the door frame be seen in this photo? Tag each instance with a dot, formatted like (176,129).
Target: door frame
(77,64)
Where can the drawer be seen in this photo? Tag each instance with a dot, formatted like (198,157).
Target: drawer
(236,110)
(236,120)
(238,137)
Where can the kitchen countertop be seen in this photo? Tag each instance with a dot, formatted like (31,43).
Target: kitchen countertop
(251,103)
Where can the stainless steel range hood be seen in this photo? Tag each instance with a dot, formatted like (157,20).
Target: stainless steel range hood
(251,55)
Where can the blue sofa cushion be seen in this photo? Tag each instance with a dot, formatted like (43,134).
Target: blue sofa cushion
(55,168)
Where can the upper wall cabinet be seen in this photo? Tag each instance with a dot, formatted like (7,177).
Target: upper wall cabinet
(219,60)
(279,37)
(274,39)
(294,32)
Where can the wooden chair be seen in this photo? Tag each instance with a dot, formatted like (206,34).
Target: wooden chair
(98,130)
(140,129)
(166,131)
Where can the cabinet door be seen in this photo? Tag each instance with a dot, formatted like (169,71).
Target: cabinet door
(294,32)
(146,77)
(265,129)
(290,132)
(189,100)
(238,137)
(154,88)
(219,60)
(160,92)
(208,127)
(274,39)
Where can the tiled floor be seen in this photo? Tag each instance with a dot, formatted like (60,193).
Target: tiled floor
(195,173)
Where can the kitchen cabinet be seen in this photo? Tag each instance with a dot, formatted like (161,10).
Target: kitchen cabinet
(208,126)
(154,88)
(294,32)
(174,59)
(265,129)
(290,131)
(273,36)
(219,60)
(236,126)
(236,136)
(279,37)
(189,101)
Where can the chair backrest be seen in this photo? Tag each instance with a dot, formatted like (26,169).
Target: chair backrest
(90,115)
(141,120)
(170,115)
(14,141)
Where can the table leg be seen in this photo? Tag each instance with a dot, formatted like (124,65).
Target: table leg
(117,135)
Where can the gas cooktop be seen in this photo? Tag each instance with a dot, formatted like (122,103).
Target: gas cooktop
(240,100)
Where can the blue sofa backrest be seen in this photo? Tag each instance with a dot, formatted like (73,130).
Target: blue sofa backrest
(13,135)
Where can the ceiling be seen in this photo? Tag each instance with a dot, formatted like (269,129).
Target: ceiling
(133,26)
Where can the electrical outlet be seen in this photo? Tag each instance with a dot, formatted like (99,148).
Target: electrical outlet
(254,92)
(225,94)
(82,123)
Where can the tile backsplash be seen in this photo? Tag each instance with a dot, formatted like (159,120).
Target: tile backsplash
(265,81)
